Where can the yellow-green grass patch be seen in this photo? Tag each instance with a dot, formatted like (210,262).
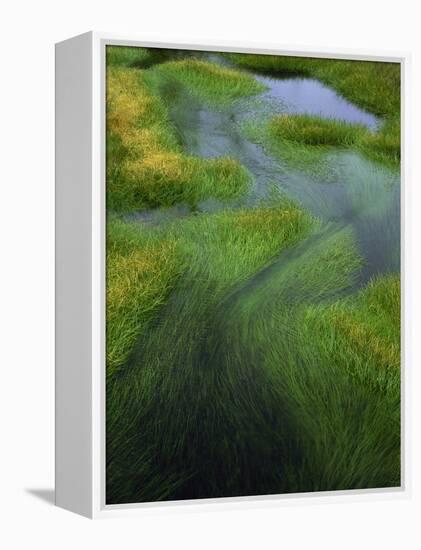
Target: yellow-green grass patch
(145,165)
(362,333)
(140,272)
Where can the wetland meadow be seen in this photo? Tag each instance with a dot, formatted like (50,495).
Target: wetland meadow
(253,274)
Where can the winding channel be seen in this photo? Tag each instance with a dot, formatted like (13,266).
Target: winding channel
(343,187)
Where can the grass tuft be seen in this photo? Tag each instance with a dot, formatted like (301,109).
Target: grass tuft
(142,58)
(362,333)
(211,82)
(126,56)
(371,85)
(145,166)
(141,270)
(315,130)
(384,145)
(310,130)
(164,179)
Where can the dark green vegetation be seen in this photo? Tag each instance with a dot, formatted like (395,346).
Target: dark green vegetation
(373,86)
(246,353)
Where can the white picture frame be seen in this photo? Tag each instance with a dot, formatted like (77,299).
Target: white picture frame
(80,278)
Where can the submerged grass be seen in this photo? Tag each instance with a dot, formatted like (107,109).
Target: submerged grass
(229,392)
(160,406)
(338,430)
(143,264)
(145,165)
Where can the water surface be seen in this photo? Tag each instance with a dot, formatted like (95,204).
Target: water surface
(310,96)
(338,185)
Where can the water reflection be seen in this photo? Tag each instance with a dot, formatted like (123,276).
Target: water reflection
(310,96)
(338,185)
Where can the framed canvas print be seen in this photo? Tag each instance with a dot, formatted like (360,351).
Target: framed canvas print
(229,261)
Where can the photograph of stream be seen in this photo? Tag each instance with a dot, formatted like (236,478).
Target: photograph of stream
(252,274)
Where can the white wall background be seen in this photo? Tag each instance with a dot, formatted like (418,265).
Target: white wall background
(28,32)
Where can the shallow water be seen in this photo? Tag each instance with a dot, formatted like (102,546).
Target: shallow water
(340,186)
(310,96)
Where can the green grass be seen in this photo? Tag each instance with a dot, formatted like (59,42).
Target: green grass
(141,270)
(129,56)
(144,263)
(315,130)
(362,333)
(371,85)
(167,178)
(384,145)
(126,56)
(145,165)
(313,160)
(227,247)
(350,360)
(336,430)
(155,404)
(231,391)
(241,358)
(210,82)
(304,141)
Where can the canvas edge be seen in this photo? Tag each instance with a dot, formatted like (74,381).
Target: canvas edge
(73,272)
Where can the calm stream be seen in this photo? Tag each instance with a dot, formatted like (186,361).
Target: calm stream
(340,186)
